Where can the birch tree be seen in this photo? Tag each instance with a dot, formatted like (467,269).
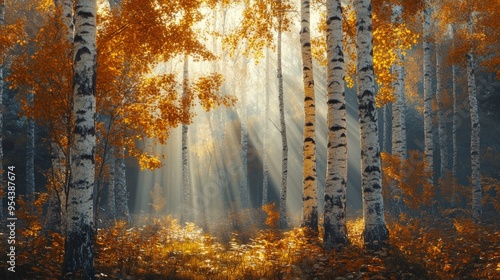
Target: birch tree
(398,107)
(477,195)
(443,147)
(375,231)
(336,175)
(455,119)
(309,195)
(121,194)
(186,187)
(265,165)
(79,247)
(111,184)
(284,141)
(30,148)
(428,136)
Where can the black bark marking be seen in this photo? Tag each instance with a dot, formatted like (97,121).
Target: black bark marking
(309,139)
(81,51)
(310,178)
(85,14)
(372,168)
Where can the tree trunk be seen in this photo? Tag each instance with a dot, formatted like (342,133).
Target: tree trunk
(56,212)
(121,194)
(375,231)
(2,25)
(79,245)
(111,185)
(336,173)
(477,194)
(455,123)
(309,195)
(385,129)
(244,195)
(443,152)
(30,149)
(265,167)
(398,115)
(186,188)
(428,137)
(284,141)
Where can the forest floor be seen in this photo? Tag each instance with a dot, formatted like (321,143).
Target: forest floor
(444,247)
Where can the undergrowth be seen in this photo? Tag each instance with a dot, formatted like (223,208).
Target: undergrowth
(160,248)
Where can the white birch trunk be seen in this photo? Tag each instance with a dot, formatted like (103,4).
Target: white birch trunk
(397,113)
(477,194)
(265,166)
(186,188)
(336,170)
(121,194)
(375,231)
(309,195)
(111,185)
(428,137)
(443,147)
(2,25)
(79,247)
(284,141)
(30,149)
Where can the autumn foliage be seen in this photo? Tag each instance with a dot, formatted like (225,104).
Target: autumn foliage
(152,248)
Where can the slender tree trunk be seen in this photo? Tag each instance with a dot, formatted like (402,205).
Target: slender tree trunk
(284,141)
(385,130)
(245,197)
(336,174)
(309,195)
(79,245)
(56,213)
(186,187)
(265,167)
(398,113)
(402,96)
(111,185)
(428,137)
(30,150)
(477,194)
(375,231)
(2,25)
(455,123)
(121,194)
(443,147)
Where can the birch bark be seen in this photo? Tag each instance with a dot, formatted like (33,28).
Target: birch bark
(309,195)
(79,245)
(428,136)
(284,141)
(477,194)
(375,231)
(336,174)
